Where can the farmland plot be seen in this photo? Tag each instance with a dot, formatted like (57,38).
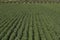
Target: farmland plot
(29,21)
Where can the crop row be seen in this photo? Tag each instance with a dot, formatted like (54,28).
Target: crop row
(29,22)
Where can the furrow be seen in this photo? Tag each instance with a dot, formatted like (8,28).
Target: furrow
(8,34)
(3,26)
(42,33)
(36,32)
(24,37)
(45,29)
(51,27)
(13,34)
(33,27)
(30,29)
(2,34)
(21,29)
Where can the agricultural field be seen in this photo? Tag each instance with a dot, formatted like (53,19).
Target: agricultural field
(29,21)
